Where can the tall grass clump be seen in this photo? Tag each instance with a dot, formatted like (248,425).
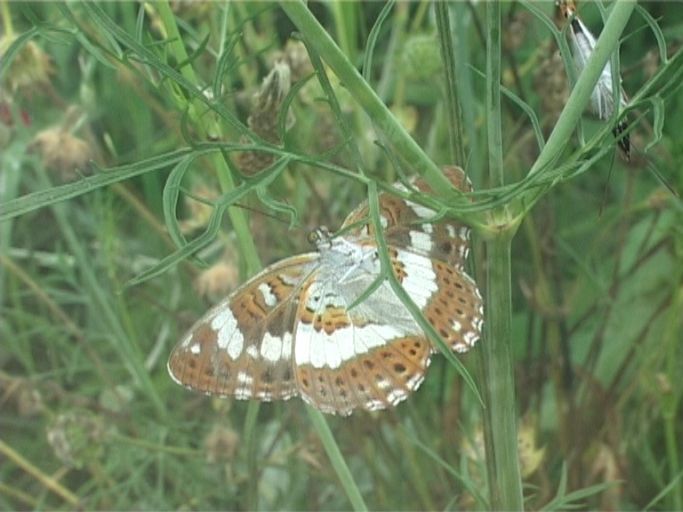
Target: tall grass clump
(153,156)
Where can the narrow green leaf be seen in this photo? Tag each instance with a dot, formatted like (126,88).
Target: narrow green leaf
(42,198)
(336,458)
(14,48)
(372,39)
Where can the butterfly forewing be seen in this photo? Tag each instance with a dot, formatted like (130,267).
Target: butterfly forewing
(243,346)
(409,225)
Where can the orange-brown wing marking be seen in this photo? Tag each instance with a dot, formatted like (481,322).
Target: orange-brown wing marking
(243,346)
(346,359)
(455,309)
(404,226)
(375,380)
(448,297)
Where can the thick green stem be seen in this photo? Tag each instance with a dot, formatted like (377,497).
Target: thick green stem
(6,20)
(500,417)
(251,261)
(670,400)
(493,115)
(400,142)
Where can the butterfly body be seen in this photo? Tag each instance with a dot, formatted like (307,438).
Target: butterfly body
(291,330)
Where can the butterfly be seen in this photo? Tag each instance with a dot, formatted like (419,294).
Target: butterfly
(290,331)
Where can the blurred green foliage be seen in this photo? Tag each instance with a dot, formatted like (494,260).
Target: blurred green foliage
(89,417)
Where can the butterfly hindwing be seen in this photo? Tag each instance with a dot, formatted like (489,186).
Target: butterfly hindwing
(428,258)
(347,359)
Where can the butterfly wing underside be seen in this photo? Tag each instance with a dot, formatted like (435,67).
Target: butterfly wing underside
(429,258)
(243,346)
(291,329)
(369,357)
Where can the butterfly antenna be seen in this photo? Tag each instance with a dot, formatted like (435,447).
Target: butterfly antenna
(604,190)
(653,169)
(650,166)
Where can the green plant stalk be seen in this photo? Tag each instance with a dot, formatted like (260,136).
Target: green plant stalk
(237,217)
(671,399)
(398,139)
(6,19)
(345,16)
(494,129)
(453,106)
(500,415)
(176,47)
(48,481)
(11,176)
(475,157)
(336,458)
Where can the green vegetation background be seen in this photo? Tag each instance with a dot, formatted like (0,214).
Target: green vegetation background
(102,148)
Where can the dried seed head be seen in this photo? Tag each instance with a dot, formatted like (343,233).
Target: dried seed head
(263,120)
(29,402)
(551,84)
(77,437)
(297,57)
(220,444)
(274,88)
(30,70)
(196,11)
(22,392)
(62,152)
(217,280)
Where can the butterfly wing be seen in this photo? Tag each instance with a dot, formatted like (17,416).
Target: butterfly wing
(428,259)
(404,223)
(289,330)
(243,346)
(369,357)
